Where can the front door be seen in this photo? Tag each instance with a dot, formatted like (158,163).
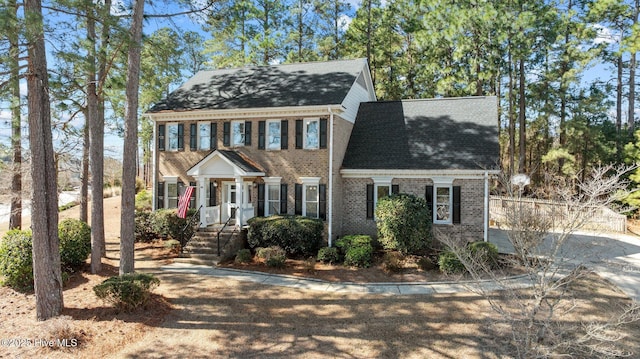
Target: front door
(228,201)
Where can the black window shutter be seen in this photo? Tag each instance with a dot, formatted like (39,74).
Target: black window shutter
(192,200)
(323,133)
(213,201)
(322,201)
(298,205)
(283,198)
(247,133)
(395,189)
(299,126)
(226,134)
(214,136)
(181,137)
(369,201)
(428,195)
(160,137)
(456,204)
(261,196)
(284,134)
(193,137)
(261,135)
(160,203)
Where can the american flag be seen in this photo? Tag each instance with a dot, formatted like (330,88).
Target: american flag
(183,202)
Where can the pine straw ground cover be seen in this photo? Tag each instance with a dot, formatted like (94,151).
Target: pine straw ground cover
(197,316)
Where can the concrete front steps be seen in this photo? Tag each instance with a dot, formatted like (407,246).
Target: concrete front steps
(203,247)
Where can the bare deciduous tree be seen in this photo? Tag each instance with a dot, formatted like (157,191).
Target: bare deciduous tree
(540,239)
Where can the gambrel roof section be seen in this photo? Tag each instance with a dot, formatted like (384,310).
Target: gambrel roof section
(435,134)
(290,85)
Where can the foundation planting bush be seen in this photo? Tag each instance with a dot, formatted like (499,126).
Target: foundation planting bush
(450,264)
(404,223)
(484,253)
(297,235)
(328,255)
(166,224)
(357,250)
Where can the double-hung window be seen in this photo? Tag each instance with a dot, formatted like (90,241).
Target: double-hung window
(237,133)
(443,199)
(173,135)
(310,198)
(171,188)
(442,204)
(311,201)
(273,199)
(204,136)
(311,133)
(274,140)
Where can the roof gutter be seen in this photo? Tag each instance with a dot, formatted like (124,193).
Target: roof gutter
(227,114)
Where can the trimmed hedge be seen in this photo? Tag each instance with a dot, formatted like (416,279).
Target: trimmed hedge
(75,242)
(166,224)
(144,227)
(404,223)
(297,235)
(273,256)
(16,264)
(328,255)
(357,250)
(450,264)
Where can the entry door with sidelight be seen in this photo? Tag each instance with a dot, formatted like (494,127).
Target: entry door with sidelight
(229,203)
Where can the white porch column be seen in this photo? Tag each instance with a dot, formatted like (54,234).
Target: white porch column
(239,200)
(202,199)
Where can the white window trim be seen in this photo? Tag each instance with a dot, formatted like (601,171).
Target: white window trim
(199,137)
(270,181)
(377,183)
(232,134)
(304,133)
(170,180)
(168,137)
(266,139)
(310,181)
(442,182)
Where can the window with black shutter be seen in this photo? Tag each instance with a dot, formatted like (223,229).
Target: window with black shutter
(283,198)
(180,137)
(261,199)
(395,189)
(370,201)
(161,131)
(323,133)
(456,205)
(322,205)
(261,134)
(428,196)
(214,136)
(193,137)
(213,194)
(160,195)
(247,133)
(298,199)
(299,127)
(284,134)
(192,200)
(226,134)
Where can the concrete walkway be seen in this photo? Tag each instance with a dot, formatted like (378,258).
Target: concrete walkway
(615,257)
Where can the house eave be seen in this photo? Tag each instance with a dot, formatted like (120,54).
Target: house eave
(417,173)
(262,112)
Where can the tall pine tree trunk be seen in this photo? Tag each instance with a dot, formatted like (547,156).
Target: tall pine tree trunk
(522,164)
(127,219)
(15,217)
(84,177)
(47,276)
(619,110)
(96,152)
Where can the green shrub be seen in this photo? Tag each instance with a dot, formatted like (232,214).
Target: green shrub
(243,256)
(127,292)
(450,264)
(357,250)
(328,255)
(484,253)
(166,224)
(143,200)
(273,256)
(404,223)
(75,242)
(144,227)
(295,234)
(16,264)
(392,262)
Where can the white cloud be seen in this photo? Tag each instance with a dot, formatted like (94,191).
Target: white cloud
(344,22)
(604,35)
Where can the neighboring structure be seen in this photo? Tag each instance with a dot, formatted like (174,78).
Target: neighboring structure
(311,139)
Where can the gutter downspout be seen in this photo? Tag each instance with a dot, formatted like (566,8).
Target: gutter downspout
(486,206)
(330,211)
(154,152)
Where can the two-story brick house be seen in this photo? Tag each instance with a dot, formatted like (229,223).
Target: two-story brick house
(311,139)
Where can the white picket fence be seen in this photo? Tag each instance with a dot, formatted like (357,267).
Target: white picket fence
(598,218)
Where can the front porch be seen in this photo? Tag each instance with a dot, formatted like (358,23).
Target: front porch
(225,181)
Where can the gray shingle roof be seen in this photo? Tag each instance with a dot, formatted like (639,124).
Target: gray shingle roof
(315,83)
(448,133)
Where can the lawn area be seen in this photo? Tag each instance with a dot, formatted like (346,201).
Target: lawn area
(200,316)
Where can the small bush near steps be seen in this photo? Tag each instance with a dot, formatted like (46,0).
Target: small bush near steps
(243,256)
(273,256)
(127,292)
